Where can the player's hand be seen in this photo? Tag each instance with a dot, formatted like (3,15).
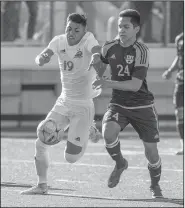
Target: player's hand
(41,60)
(95,58)
(99,83)
(166,75)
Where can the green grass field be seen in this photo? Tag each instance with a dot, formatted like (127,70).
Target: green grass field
(85,182)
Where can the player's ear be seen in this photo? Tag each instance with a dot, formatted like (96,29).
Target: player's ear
(137,29)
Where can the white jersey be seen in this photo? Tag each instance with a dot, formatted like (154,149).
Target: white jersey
(73,63)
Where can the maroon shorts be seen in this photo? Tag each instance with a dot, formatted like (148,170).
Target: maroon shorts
(143,120)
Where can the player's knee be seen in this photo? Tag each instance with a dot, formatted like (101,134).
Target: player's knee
(40,148)
(72,158)
(40,129)
(39,144)
(72,152)
(110,131)
(40,126)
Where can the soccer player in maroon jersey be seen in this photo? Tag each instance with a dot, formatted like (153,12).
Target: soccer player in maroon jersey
(178,97)
(131,101)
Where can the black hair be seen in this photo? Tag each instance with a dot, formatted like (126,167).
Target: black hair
(77,18)
(133,14)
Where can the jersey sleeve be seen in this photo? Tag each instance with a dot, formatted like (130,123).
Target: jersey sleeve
(53,45)
(179,37)
(141,62)
(177,43)
(91,42)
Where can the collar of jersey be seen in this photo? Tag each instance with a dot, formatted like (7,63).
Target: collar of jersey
(126,46)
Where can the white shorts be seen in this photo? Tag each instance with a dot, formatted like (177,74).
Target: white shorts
(80,115)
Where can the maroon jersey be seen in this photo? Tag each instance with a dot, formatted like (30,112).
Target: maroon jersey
(179,41)
(125,63)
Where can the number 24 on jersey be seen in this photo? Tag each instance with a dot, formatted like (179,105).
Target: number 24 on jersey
(123,71)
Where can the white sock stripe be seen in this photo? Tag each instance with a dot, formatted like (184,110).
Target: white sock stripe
(115,144)
(114,154)
(155,165)
(157,175)
(112,144)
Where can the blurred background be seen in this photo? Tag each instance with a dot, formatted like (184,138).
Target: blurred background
(40,21)
(27,94)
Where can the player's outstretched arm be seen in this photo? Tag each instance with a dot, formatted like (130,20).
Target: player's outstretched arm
(100,68)
(98,65)
(96,61)
(95,58)
(129,85)
(167,74)
(44,57)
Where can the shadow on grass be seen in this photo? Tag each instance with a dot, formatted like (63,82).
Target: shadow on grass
(22,185)
(164,200)
(167,200)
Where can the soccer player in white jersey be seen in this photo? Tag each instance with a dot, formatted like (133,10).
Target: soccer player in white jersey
(74,108)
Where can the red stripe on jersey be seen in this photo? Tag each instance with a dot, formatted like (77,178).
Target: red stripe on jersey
(142,53)
(143,50)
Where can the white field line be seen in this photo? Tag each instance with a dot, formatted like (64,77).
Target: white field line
(69,181)
(170,151)
(4,160)
(99,144)
(128,152)
(73,181)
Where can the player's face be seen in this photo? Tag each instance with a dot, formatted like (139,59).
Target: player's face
(126,29)
(74,32)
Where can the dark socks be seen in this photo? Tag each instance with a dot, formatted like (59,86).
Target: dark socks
(155,172)
(115,152)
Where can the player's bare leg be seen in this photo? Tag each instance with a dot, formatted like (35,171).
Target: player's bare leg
(110,134)
(41,164)
(154,167)
(42,158)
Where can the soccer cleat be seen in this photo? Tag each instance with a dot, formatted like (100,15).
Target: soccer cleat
(39,189)
(156,191)
(94,134)
(116,174)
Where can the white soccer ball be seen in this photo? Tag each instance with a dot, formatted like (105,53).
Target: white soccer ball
(49,134)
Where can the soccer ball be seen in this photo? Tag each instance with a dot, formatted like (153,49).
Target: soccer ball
(48,132)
